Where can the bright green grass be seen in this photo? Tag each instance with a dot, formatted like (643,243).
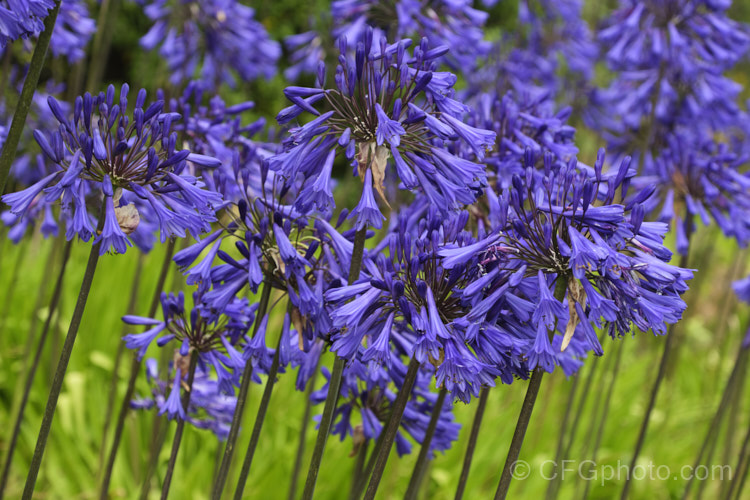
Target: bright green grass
(685,405)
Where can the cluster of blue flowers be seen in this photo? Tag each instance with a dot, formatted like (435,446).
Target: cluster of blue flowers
(22,18)
(482,249)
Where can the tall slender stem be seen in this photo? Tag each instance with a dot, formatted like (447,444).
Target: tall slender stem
(258,425)
(49,268)
(158,435)
(671,334)
(247,375)
(11,284)
(34,365)
(363,480)
(359,470)
(523,422)
(605,412)
(102,39)
(27,94)
(527,409)
(735,411)
(62,365)
(741,470)
(134,288)
(392,428)
(590,377)
(554,484)
(180,426)
(473,437)
(302,436)
(423,459)
(713,428)
(134,371)
(334,383)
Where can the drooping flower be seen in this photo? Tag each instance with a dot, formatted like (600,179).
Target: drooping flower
(388,109)
(209,408)
(22,18)
(102,147)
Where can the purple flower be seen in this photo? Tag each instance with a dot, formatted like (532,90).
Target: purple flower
(211,37)
(377,111)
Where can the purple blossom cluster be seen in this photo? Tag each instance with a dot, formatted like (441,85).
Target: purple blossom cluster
(209,41)
(22,18)
(482,251)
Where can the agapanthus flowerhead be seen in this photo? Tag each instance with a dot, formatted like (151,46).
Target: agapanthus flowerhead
(127,158)
(528,58)
(73,30)
(669,57)
(452,23)
(699,178)
(218,38)
(209,408)
(388,109)
(408,300)
(525,126)
(22,18)
(216,336)
(213,128)
(595,261)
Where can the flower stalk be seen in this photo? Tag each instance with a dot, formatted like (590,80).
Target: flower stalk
(27,94)
(62,365)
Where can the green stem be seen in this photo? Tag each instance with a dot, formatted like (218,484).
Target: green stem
(158,435)
(247,375)
(134,371)
(554,484)
(49,266)
(423,459)
(671,334)
(302,436)
(605,411)
(741,470)
(527,409)
(363,479)
(27,95)
(359,470)
(473,437)
(258,425)
(334,383)
(180,426)
(392,428)
(523,422)
(134,287)
(34,365)
(11,284)
(62,365)
(716,422)
(102,39)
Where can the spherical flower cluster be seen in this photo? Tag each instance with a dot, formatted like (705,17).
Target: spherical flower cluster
(696,177)
(388,108)
(452,23)
(131,161)
(670,57)
(607,266)
(212,37)
(215,336)
(214,129)
(209,408)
